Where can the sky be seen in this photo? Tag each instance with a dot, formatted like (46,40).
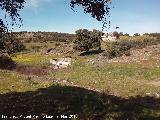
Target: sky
(131,16)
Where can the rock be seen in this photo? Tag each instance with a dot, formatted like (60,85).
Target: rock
(61,62)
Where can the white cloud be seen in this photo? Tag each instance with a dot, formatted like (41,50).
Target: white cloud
(32,3)
(35,3)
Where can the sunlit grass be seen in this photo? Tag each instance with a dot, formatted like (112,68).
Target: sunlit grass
(13,82)
(37,59)
(121,79)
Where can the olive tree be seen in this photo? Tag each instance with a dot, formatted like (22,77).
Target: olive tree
(86,40)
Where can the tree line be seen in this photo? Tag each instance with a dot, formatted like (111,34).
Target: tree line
(39,36)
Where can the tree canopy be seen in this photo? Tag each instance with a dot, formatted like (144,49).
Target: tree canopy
(11,9)
(86,40)
(97,8)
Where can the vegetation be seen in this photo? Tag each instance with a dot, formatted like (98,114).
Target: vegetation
(88,90)
(11,8)
(28,37)
(116,34)
(86,40)
(108,91)
(117,49)
(98,9)
(9,44)
(136,34)
(124,45)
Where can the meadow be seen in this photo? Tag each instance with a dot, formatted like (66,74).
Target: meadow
(92,91)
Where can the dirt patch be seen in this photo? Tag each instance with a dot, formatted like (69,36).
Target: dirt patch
(33,70)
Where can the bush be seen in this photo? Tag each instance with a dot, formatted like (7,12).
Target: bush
(143,43)
(117,49)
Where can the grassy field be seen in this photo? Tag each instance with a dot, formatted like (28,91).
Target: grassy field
(120,79)
(111,91)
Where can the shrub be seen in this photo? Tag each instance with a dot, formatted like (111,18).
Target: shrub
(143,43)
(116,49)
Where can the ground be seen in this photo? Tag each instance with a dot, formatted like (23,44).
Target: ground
(92,88)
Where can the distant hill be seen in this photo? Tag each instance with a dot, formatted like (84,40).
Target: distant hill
(25,36)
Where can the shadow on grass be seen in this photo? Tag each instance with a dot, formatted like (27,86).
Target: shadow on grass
(92,52)
(7,63)
(85,104)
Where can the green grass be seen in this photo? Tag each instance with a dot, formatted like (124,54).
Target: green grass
(37,59)
(122,79)
(14,82)
(125,87)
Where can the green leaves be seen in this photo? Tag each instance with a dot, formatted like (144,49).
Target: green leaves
(86,40)
(11,9)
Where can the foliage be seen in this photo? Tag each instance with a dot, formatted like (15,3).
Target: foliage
(116,34)
(143,43)
(10,45)
(11,8)
(136,34)
(86,40)
(42,37)
(155,35)
(97,8)
(126,34)
(121,34)
(116,49)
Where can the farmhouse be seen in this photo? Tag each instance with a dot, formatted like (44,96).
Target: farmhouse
(109,37)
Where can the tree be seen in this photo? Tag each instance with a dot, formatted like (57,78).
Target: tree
(147,34)
(136,34)
(126,34)
(121,34)
(97,8)
(9,44)
(116,34)
(86,40)
(11,9)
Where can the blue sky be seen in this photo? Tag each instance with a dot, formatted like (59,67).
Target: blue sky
(130,16)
